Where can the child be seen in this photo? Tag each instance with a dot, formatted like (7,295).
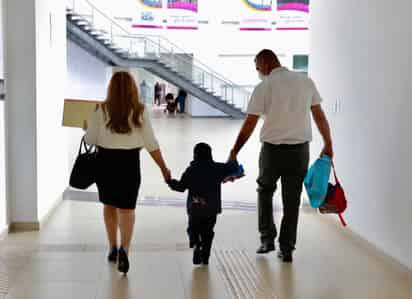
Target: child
(171,104)
(203,179)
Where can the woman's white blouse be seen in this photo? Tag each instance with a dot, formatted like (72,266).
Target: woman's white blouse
(98,134)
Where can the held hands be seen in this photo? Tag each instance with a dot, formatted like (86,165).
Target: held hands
(232,156)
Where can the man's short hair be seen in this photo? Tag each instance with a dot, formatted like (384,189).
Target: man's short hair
(267,56)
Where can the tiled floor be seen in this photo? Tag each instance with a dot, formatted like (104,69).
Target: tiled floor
(67,259)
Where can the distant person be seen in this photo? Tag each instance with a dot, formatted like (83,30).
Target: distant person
(286,100)
(157,93)
(120,127)
(144,91)
(171,104)
(181,99)
(203,179)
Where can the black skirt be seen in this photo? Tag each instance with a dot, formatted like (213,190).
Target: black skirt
(118,177)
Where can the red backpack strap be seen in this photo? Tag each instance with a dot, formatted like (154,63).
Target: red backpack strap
(334,174)
(338,183)
(342,220)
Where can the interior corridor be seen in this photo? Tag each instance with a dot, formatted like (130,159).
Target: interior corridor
(67,258)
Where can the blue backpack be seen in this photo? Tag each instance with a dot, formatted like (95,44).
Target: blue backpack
(317,180)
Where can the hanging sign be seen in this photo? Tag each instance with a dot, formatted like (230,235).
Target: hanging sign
(182,14)
(256,15)
(150,14)
(292,15)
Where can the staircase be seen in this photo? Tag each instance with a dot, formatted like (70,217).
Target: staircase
(107,40)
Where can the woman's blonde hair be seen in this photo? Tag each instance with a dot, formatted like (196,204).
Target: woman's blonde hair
(122,106)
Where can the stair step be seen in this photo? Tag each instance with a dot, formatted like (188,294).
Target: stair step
(88,28)
(75,17)
(119,50)
(83,23)
(101,38)
(94,31)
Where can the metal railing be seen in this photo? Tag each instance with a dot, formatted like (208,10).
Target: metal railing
(156,47)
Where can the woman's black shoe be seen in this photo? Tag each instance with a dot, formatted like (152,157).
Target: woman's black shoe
(123,265)
(113,255)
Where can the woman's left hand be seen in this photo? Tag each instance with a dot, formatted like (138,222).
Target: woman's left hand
(167,175)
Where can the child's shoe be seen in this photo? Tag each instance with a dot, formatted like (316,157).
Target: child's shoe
(197,255)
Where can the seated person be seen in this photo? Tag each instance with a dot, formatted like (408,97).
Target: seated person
(171,103)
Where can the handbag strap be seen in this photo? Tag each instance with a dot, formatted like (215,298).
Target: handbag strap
(83,144)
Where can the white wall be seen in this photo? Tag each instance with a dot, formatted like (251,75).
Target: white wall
(37,167)
(3,205)
(52,166)
(197,108)
(1,39)
(87,78)
(21,110)
(360,55)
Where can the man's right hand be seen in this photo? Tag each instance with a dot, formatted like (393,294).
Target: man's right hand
(248,127)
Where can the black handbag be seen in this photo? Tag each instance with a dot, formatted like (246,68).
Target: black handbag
(84,169)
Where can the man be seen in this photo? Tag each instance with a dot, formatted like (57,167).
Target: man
(286,100)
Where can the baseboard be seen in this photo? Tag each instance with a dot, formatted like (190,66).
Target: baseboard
(372,249)
(18,227)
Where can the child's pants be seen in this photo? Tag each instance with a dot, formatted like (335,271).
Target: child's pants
(201,233)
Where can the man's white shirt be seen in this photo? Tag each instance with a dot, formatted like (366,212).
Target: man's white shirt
(284,98)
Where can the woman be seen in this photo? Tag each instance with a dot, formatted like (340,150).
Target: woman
(120,127)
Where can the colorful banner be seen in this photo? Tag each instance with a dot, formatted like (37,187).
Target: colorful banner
(257,15)
(293,15)
(150,14)
(182,14)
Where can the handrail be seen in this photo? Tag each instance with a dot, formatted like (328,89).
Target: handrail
(93,7)
(180,58)
(218,75)
(206,69)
